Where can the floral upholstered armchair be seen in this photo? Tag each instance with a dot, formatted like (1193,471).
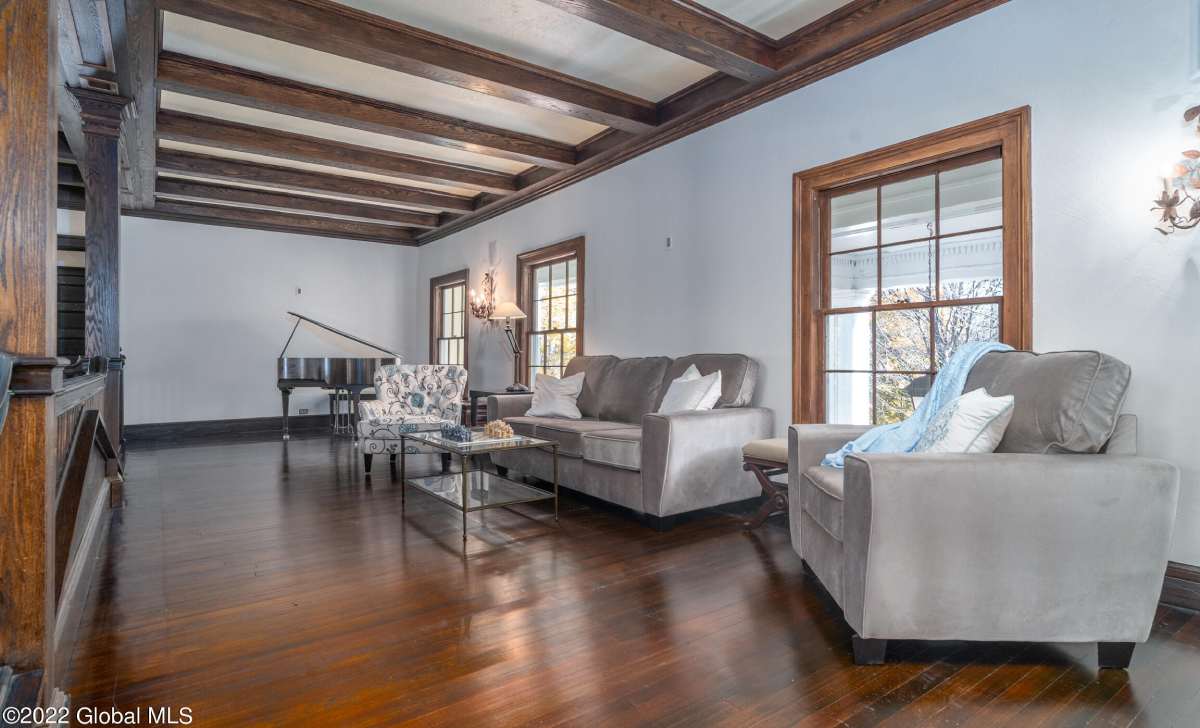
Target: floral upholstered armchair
(409,398)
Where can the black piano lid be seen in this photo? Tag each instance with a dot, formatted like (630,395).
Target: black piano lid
(339,332)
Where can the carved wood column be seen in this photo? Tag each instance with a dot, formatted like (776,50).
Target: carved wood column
(28,126)
(102,114)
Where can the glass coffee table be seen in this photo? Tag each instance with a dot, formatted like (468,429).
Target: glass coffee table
(477,490)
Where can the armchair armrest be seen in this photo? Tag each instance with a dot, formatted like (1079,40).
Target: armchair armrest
(500,406)
(808,444)
(693,460)
(1057,548)
(369,409)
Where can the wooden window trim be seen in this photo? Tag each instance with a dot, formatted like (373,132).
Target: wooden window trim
(526,262)
(1008,131)
(459,277)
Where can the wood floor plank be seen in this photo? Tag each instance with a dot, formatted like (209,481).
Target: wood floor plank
(268,584)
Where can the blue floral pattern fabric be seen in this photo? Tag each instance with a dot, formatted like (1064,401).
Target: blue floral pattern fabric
(409,398)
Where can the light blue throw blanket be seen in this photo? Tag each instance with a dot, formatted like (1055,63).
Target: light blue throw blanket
(903,436)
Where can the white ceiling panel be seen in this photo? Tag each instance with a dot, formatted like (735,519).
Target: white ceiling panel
(296,125)
(540,34)
(265,55)
(774,18)
(342,171)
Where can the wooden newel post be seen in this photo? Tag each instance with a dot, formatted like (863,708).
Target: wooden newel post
(102,115)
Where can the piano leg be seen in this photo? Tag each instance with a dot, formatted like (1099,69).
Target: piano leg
(286,392)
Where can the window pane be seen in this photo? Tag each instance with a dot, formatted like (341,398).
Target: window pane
(447,300)
(902,340)
(908,273)
(848,399)
(973,265)
(572,276)
(554,349)
(568,344)
(558,313)
(908,210)
(443,351)
(558,279)
(460,293)
(572,311)
(892,402)
(541,276)
(853,279)
(972,197)
(957,325)
(848,341)
(462,352)
(541,321)
(456,320)
(536,350)
(447,324)
(852,221)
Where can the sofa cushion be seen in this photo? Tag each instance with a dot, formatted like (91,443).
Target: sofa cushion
(618,448)
(739,375)
(595,371)
(1066,402)
(632,387)
(823,498)
(567,433)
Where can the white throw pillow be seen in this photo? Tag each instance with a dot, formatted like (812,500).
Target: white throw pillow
(972,423)
(692,392)
(553,397)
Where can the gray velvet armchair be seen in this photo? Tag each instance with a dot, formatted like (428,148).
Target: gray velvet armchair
(1062,535)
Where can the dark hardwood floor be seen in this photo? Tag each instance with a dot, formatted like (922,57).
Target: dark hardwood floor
(264,584)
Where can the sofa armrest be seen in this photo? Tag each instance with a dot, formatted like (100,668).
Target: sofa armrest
(500,406)
(1057,548)
(693,460)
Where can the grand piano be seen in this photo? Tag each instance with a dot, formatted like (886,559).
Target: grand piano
(346,376)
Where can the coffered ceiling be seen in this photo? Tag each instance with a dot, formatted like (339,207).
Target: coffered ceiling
(402,121)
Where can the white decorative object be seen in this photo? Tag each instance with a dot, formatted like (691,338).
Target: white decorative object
(692,392)
(553,397)
(973,423)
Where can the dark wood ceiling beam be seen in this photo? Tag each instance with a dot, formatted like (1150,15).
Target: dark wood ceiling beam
(298,180)
(193,129)
(191,191)
(343,31)
(686,29)
(221,82)
(286,222)
(724,96)
(855,25)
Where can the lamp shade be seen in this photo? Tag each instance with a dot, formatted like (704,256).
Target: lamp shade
(507,310)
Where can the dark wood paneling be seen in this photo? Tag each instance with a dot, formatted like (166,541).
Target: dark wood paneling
(203,191)
(71,242)
(299,180)
(710,102)
(262,551)
(70,492)
(136,28)
(686,29)
(71,198)
(28,130)
(221,82)
(243,217)
(71,316)
(284,145)
(69,175)
(1181,586)
(334,28)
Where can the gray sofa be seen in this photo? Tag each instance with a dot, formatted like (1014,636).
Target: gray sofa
(624,453)
(1061,535)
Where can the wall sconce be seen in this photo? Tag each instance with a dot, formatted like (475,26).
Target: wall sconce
(483,302)
(1181,189)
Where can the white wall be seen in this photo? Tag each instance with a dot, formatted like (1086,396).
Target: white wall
(1107,81)
(203,313)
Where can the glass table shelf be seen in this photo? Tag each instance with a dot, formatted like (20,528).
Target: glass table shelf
(486,490)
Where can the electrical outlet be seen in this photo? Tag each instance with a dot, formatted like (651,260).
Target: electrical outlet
(303,411)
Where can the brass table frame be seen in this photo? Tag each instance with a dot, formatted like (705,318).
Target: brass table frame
(465,472)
